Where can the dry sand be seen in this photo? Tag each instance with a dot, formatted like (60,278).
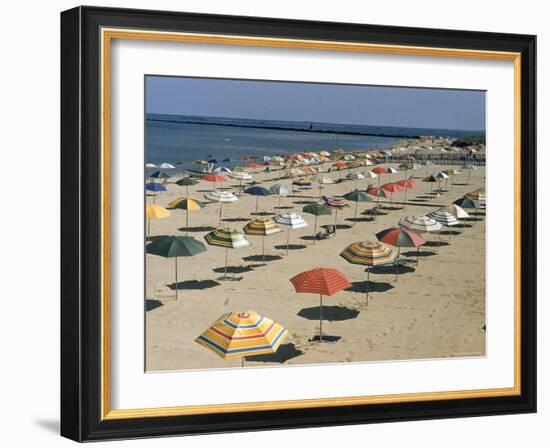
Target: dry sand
(433,310)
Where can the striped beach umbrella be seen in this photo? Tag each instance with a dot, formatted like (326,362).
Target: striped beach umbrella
(457,211)
(290,220)
(263,227)
(336,204)
(322,181)
(443,217)
(407,184)
(440,175)
(316,210)
(241,176)
(257,191)
(187,204)
(242,333)
(358,196)
(186,182)
(422,224)
(369,254)
(228,238)
(322,281)
(154,211)
(223,197)
(401,237)
(174,247)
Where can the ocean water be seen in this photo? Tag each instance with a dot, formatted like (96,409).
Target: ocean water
(172,138)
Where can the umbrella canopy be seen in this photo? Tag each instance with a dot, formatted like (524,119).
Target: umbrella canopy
(159,175)
(358,196)
(279,189)
(451,172)
(214,178)
(467,202)
(406,183)
(457,211)
(400,237)
(354,176)
(441,175)
(430,178)
(242,175)
(324,180)
(391,170)
(377,192)
(336,203)
(379,170)
(174,247)
(392,187)
(186,204)
(316,210)
(370,174)
(369,253)
(187,181)
(154,211)
(262,226)
(302,182)
(154,186)
(166,166)
(325,281)
(150,165)
(442,216)
(291,220)
(228,238)
(420,224)
(221,196)
(478,195)
(339,165)
(244,333)
(258,191)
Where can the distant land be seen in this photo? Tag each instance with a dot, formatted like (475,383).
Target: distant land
(310,126)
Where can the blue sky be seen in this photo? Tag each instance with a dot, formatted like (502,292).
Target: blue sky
(332,103)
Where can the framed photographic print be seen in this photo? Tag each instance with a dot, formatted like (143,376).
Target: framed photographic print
(276,224)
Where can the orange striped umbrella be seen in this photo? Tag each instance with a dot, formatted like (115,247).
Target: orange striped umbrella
(322,281)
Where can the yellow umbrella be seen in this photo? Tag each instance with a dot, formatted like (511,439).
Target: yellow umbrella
(187,204)
(154,211)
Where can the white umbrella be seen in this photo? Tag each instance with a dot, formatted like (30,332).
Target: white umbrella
(457,211)
(445,218)
(150,165)
(422,224)
(290,220)
(221,197)
(166,166)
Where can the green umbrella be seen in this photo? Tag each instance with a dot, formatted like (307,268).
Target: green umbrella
(174,247)
(358,196)
(160,175)
(228,238)
(185,182)
(317,210)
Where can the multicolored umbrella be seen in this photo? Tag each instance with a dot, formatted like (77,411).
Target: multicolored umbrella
(263,227)
(401,237)
(243,333)
(187,204)
(302,183)
(336,204)
(258,191)
(292,221)
(358,196)
(316,210)
(154,211)
(174,247)
(420,224)
(479,195)
(228,238)
(223,197)
(322,281)
(369,254)
(186,182)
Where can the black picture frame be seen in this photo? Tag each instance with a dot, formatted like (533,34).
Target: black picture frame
(81,224)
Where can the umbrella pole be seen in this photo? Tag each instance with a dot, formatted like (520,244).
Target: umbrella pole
(287,239)
(187,221)
(405,200)
(257,199)
(335,220)
(438,239)
(263,248)
(469,174)
(397,263)
(356,209)
(176,266)
(315,231)
(225,268)
(367,286)
(320,317)
(220,220)
(242,361)
(417,254)
(149,227)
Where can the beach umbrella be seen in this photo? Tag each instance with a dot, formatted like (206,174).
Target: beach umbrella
(159,175)
(467,202)
(336,204)
(457,211)
(422,224)
(241,176)
(302,183)
(214,178)
(154,211)
(166,166)
(369,174)
(431,179)
(150,165)
(316,210)
(222,169)
(392,188)
(322,181)
(242,333)
(379,170)
(174,247)
(156,187)
(357,196)
(478,195)
(264,227)
(443,217)
(322,281)
(228,238)
(186,182)
(290,220)
(354,176)
(440,175)
(377,193)
(257,191)
(470,168)
(390,170)
(407,184)
(222,197)
(339,165)
(369,254)
(401,237)
(186,204)
(451,172)
(280,191)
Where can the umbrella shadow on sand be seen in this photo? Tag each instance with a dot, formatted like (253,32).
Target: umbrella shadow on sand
(262,213)
(361,287)
(262,258)
(197,229)
(436,243)
(450,232)
(290,246)
(359,219)
(195,284)
(421,253)
(236,219)
(152,304)
(332,313)
(304,202)
(234,269)
(283,207)
(390,270)
(283,354)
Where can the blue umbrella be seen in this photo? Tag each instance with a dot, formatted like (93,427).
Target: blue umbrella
(212,161)
(258,191)
(155,186)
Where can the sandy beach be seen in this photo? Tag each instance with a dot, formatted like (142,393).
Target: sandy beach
(435,309)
